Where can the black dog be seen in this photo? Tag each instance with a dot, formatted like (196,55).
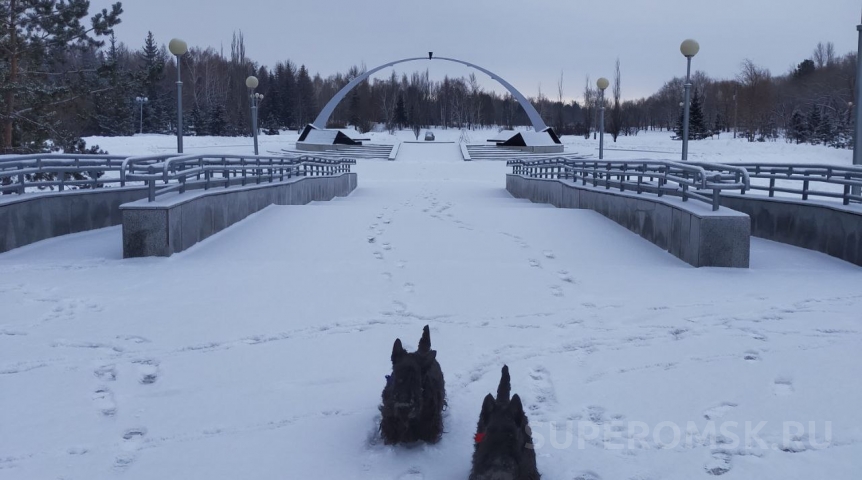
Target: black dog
(414,396)
(504,447)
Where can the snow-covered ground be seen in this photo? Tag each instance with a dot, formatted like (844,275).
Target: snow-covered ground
(261,352)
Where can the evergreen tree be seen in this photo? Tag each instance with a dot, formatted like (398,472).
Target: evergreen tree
(307,102)
(697,129)
(400,113)
(152,75)
(113,112)
(814,121)
(35,36)
(798,128)
(218,122)
(198,121)
(826,133)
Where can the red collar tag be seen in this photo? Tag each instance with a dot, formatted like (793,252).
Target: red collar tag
(479,437)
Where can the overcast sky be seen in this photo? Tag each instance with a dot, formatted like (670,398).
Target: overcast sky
(526,42)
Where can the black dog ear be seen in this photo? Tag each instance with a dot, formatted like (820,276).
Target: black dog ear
(517,410)
(397,350)
(505,387)
(488,407)
(425,341)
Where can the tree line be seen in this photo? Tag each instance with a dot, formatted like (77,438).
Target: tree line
(64,78)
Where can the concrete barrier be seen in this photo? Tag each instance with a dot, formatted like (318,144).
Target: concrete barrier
(689,230)
(835,230)
(175,222)
(29,218)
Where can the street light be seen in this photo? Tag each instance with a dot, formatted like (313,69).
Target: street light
(602,83)
(689,49)
(857,142)
(141,101)
(252,83)
(179,48)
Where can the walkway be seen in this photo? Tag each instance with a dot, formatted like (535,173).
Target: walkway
(261,352)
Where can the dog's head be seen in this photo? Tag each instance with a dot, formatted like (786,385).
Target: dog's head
(503,432)
(404,387)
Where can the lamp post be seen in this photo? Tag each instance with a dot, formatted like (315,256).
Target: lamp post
(689,49)
(141,101)
(602,83)
(251,82)
(857,142)
(179,48)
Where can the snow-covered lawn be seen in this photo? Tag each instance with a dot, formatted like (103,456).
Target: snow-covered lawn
(261,352)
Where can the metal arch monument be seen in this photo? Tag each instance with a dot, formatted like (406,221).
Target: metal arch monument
(323,117)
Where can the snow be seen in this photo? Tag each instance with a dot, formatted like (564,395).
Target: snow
(261,351)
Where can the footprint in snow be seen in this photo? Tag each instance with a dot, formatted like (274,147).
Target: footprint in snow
(103,399)
(783,386)
(548,254)
(378,255)
(718,411)
(565,276)
(387,246)
(719,465)
(148,371)
(412,474)
(535,263)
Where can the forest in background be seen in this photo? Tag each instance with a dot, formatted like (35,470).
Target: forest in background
(64,76)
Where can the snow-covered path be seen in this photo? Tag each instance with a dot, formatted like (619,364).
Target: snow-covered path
(261,352)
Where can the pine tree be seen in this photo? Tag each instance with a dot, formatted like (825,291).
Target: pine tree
(814,121)
(307,103)
(798,128)
(697,125)
(113,112)
(826,131)
(35,36)
(153,73)
(400,113)
(218,123)
(198,122)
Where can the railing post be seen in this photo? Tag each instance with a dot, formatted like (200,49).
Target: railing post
(716,199)
(771,186)
(151,185)
(805,188)
(684,192)
(846,199)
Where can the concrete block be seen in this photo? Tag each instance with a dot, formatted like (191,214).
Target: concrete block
(145,233)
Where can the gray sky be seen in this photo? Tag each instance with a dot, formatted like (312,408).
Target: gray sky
(525,42)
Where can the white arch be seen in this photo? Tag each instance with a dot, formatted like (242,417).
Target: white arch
(535,118)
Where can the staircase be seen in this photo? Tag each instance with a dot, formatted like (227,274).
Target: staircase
(493,152)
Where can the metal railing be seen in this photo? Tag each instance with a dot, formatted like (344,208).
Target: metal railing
(20,174)
(73,171)
(190,172)
(691,180)
(830,181)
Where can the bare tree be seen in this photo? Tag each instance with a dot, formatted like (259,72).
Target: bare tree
(819,55)
(589,101)
(616,113)
(560,104)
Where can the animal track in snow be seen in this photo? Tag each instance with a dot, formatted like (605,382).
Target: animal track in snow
(106,372)
(132,441)
(378,255)
(751,356)
(372,239)
(719,465)
(588,476)
(409,287)
(782,387)
(718,411)
(103,398)
(535,263)
(387,246)
(148,371)
(556,291)
(565,276)
(412,474)
(548,254)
